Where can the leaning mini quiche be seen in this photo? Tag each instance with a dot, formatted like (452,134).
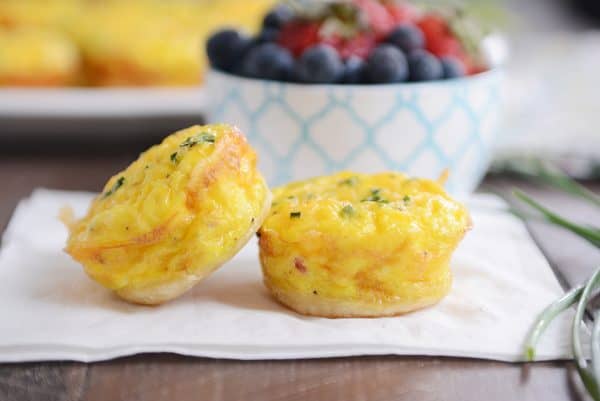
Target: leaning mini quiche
(356,245)
(177,213)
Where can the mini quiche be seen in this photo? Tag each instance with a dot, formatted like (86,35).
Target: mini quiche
(176,214)
(155,42)
(37,57)
(148,50)
(356,245)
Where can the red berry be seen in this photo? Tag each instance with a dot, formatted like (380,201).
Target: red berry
(380,20)
(401,12)
(441,41)
(434,27)
(473,68)
(359,46)
(451,47)
(298,36)
(445,46)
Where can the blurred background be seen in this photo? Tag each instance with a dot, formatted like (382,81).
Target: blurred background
(82,76)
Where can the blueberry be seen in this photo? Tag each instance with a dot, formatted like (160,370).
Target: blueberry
(267,35)
(452,67)
(320,64)
(353,70)
(225,48)
(424,66)
(278,17)
(268,61)
(386,64)
(407,37)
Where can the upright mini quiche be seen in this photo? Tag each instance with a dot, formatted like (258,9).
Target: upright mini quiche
(173,216)
(356,245)
(37,58)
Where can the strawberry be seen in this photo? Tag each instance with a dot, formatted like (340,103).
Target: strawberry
(360,45)
(434,27)
(441,41)
(401,12)
(451,47)
(474,68)
(443,46)
(380,20)
(297,36)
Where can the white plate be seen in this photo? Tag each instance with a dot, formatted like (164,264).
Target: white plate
(102,102)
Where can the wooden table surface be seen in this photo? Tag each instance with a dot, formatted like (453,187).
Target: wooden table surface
(170,377)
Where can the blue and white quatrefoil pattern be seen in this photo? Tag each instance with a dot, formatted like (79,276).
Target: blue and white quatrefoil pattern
(300,131)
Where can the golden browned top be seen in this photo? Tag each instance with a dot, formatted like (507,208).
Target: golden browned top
(180,207)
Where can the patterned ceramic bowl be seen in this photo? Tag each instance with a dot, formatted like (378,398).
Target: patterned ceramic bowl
(422,129)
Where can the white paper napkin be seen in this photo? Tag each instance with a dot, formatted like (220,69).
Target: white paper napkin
(50,310)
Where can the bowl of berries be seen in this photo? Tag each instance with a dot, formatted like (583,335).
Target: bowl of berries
(363,85)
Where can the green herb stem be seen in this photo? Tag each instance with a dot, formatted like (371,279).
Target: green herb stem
(375,196)
(347,211)
(546,317)
(556,178)
(595,341)
(350,182)
(524,215)
(589,372)
(546,173)
(574,188)
(118,184)
(587,377)
(592,234)
(203,137)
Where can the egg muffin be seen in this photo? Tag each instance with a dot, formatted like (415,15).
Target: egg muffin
(49,14)
(176,214)
(357,245)
(155,43)
(149,49)
(37,57)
